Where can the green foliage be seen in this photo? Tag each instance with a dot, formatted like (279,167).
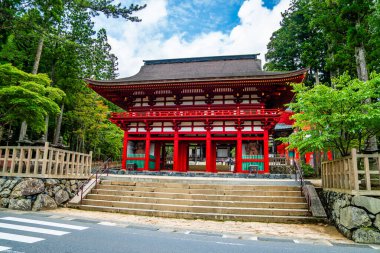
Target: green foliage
(324,36)
(72,50)
(308,170)
(339,117)
(26,97)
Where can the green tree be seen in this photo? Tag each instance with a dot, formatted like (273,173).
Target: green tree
(26,97)
(335,117)
(298,43)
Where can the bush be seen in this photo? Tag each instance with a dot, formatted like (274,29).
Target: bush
(308,171)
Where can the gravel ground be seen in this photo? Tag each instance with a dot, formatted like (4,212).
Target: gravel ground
(293,231)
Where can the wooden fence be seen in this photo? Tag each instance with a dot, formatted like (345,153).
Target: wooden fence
(357,174)
(44,162)
(276,160)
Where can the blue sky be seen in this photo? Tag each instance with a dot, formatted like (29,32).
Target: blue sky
(190,28)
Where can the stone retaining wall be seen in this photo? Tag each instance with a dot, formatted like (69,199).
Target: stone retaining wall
(36,194)
(356,217)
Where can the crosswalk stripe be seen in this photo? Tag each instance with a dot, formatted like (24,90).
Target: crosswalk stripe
(45,223)
(33,229)
(19,238)
(4,248)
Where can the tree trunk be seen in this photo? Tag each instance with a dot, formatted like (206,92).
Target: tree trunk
(36,64)
(316,74)
(57,131)
(23,129)
(1,133)
(361,66)
(46,127)
(38,56)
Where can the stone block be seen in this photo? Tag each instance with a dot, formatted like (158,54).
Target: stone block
(28,187)
(20,204)
(61,197)
(366,235)
(372,205)
(44,202)
(377,222)
(353,217)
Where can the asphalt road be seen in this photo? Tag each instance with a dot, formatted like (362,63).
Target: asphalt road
(34,233)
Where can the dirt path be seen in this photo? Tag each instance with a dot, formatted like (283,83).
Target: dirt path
(293,231)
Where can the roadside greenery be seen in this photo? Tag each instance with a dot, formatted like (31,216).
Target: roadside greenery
(337,117)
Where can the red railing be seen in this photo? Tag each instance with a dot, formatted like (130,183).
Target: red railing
(197,113)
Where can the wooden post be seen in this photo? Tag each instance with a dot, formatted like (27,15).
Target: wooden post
(125,151)
(28,161)
(90,164)
(266,151)
(213,157)
(50,163)
(147,150)
(238,153)
(5,165)
(13,161)
(176,152)
(157,157)
(21,160)
(45,157)
(208,151)
(367,173)
(355,170)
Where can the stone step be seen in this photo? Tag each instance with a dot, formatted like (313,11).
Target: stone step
(207,216)
(198,209)
(195,202)
(253,198)
(202,186)
(202,191)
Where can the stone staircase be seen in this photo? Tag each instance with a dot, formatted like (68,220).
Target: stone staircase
(222,199)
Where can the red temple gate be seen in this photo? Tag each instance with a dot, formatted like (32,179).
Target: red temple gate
(218,106)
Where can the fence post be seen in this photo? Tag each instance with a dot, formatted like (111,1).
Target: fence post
(367,174)
(355,170)
(90,164)
(45,157)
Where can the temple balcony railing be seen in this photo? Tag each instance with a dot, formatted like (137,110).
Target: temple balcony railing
(243,113)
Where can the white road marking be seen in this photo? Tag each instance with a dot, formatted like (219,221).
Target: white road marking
(45,223)
(4,248)
(19,238)
(33,229)
(375,246)
(230,243)
(230,236)
(314,242)
(106,223)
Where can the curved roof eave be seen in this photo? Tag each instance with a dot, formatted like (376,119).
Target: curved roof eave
(262,76)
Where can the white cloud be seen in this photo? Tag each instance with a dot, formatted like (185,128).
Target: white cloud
(134,42)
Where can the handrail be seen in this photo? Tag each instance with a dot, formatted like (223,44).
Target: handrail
(98,173)
(299,174)
(300,177)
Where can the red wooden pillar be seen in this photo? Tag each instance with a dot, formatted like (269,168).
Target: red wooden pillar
(163,156)
(176,165)
(125,151)
(213,156)
(180,156)
(147,150)
(186,153)
(157,151)
(238,153)
(266,151)
(209,166)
